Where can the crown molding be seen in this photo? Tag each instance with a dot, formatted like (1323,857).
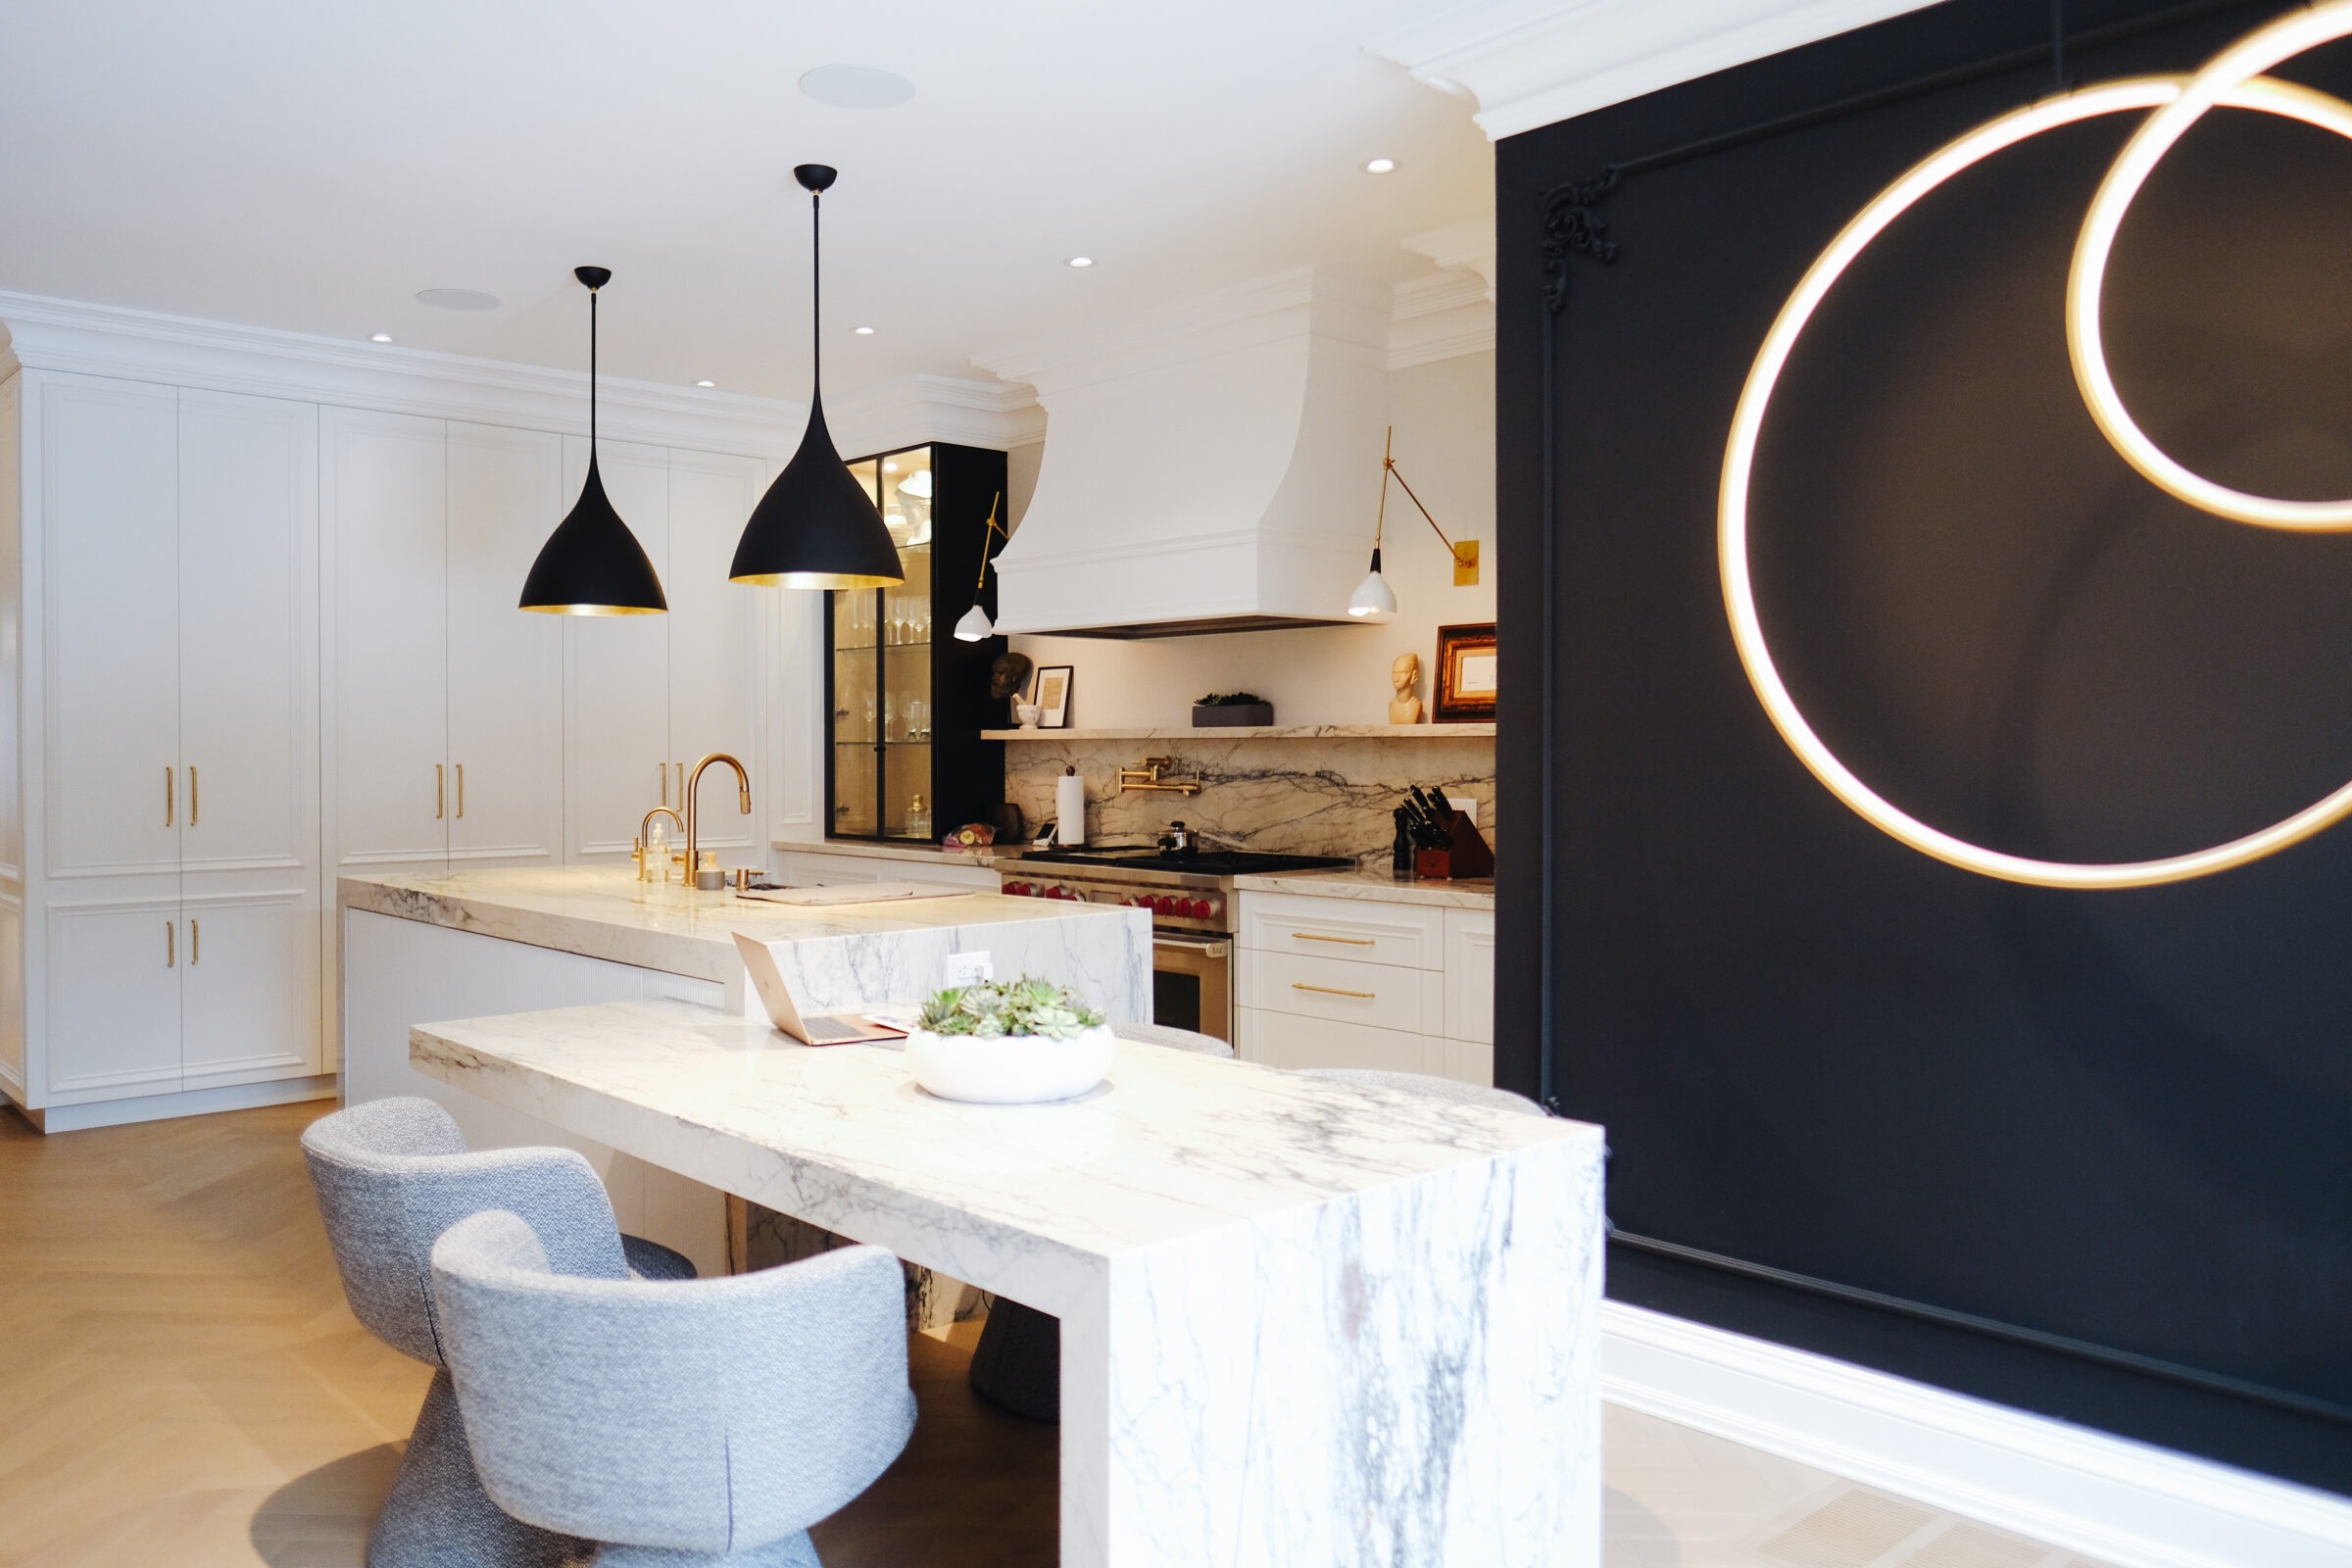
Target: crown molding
(1297,302)
(1528,62)
(1468,245)
(1440,317)
(54,334)
(922,408)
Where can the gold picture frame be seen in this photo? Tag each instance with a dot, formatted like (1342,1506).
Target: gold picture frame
(1466,672)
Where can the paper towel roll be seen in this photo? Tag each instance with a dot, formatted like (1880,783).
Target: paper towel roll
(1069,806)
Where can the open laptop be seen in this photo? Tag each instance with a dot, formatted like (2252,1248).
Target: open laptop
(833,1029)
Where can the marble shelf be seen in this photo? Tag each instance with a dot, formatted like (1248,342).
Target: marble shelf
(1256,732)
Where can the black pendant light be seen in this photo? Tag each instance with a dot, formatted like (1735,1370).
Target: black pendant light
(592,565)
(816,527)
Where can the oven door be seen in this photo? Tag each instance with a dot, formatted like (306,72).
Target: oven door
(1191,982)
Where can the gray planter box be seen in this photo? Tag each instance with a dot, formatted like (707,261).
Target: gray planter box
(1228,715)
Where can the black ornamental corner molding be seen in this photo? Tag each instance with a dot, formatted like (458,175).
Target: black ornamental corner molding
(1572,226)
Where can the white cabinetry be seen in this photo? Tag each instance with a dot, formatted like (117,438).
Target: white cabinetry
(164,569)
(1339,982)
(447,699)
(650,695)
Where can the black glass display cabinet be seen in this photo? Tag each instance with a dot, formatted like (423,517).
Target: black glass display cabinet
(905,762)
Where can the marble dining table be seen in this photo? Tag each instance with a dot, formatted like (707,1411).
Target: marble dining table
(1305,1321)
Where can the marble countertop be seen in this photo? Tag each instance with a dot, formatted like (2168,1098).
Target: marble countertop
(918,854)
(1172,1146)
(605,912)
(1376,886)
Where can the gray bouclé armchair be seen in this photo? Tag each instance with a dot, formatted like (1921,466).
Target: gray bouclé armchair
(391,1175)
(704,1422)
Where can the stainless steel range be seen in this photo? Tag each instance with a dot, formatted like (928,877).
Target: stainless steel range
(1190,894)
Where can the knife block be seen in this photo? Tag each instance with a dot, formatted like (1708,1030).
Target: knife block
(1470,855)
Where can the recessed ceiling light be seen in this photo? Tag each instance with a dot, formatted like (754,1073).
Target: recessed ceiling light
(857,87)
(381,337)
(456,299)
(1380,165)
(705,383)
(863,331)
(1082,260)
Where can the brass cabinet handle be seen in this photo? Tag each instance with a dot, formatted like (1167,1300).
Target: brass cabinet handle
(170,945)
(662,769)
(193,806)
(461,790)
(1332,991)
(440,794)
(195,940)
(1354,942)
(681,786)
(167,797)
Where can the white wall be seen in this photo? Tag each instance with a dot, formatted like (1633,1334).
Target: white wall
(1444,418)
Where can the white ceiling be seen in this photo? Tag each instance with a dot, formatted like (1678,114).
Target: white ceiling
(310,165)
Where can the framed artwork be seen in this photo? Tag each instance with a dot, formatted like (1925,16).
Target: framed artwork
(1465,675)
(1053,697)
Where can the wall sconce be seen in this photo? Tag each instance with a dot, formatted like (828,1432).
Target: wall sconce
(1374,600)
(975,626)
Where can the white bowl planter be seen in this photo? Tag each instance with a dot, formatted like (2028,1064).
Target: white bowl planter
(1009,1069)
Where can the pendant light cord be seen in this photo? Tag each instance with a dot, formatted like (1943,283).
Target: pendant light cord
(816,293)
(592,376)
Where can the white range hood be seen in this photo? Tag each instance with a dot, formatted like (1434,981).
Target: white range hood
(1211,467)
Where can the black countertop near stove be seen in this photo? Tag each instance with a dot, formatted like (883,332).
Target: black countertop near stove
(1202,863)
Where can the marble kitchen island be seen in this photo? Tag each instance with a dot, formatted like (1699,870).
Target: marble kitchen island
(465,944)
(1305,1322)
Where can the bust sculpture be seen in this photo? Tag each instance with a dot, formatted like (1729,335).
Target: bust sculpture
(1405,676)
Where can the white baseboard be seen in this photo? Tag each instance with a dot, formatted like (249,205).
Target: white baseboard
(193,1103)
(2109,1497)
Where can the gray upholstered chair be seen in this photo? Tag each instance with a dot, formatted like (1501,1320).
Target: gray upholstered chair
(712,1421)
(391,1175)
(1017,1363)
(1421,1083)
(1162,1034)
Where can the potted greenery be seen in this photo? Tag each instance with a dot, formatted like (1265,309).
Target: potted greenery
(1008,1043)
(1228,709)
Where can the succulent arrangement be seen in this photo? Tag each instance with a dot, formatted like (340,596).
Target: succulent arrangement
(1229,699)
(994,1010)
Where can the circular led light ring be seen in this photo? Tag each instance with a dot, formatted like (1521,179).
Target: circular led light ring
(2214,83)
(1739,464)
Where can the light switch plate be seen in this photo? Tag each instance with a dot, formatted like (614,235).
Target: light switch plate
(968,968)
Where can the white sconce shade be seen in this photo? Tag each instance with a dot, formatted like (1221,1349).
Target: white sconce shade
(975,626)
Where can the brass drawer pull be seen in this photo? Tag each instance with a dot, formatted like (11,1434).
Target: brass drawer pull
(195,942)
(1354,942)
(167,797)
(193,806)
(170,944)
(440,794)
(461,790)
(1331,991)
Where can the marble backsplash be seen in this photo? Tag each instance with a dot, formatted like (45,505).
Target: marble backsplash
(1286,795)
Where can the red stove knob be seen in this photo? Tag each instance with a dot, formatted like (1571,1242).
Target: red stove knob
(1198,909)
(1169,906)
(1018,890)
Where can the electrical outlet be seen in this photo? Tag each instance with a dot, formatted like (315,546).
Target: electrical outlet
(968,968)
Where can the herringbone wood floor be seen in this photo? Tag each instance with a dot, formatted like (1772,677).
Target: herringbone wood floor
(182,1384)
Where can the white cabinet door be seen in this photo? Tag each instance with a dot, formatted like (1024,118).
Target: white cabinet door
(109,499)
(714,659)
(385,480)
(248,632)
(617,697)
(1470,975)
(506,665)
(113,972)
(249,986)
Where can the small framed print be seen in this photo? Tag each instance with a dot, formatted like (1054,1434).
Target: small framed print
(1465,675)
(1053,697)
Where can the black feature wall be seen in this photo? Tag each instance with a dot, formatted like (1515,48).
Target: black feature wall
(2084,1154)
